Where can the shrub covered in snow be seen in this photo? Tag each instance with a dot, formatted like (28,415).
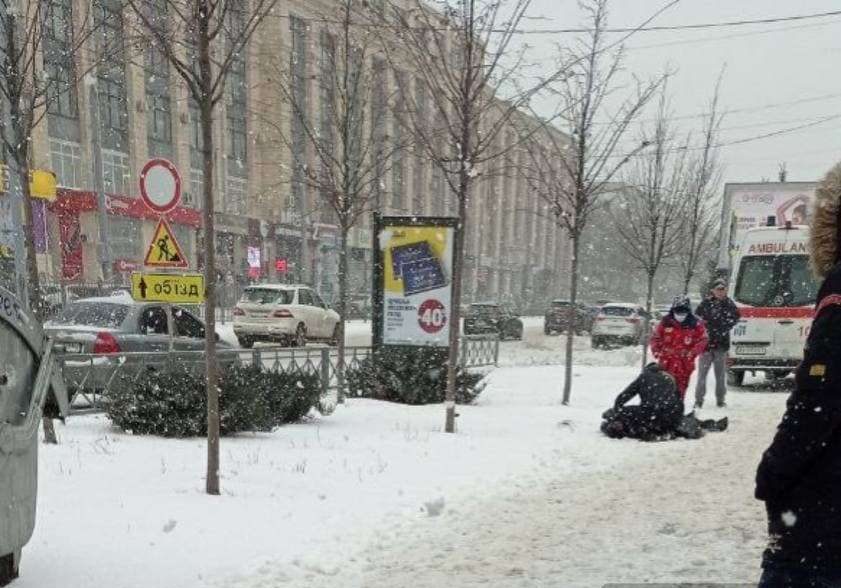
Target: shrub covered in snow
(173,403)
(411,376)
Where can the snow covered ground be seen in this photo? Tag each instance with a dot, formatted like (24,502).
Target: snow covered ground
(527,493)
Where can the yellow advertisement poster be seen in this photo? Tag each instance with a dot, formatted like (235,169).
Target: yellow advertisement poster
(417,284)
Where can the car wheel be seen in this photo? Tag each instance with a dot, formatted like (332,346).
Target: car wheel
(735,378)
(300,336)
(8,569)
(245,342)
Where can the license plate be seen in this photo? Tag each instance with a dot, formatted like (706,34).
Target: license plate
(73,347)
(751,349)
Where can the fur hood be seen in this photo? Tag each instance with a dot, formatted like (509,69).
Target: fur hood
(823,235)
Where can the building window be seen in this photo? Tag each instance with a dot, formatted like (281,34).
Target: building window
(115,171)
(326,123)
(62,98)
(66,160)
(378,126)
(111,75)
(125,238)
(193,198)
(158,102)
(398,172)
(237,99)
(235,196)
(418,184)
(300,97)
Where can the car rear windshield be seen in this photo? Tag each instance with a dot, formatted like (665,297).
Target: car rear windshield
(776,281)
(617,311)
(267,296)
(484,310)
(93,314)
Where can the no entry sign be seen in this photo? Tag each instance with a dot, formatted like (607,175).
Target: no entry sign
(160,185)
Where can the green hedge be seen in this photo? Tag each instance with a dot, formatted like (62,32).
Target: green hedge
(411,376)
(173,402)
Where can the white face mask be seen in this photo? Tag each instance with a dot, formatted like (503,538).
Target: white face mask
(680,316)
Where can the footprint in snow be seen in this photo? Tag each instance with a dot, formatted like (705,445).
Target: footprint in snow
(170,525)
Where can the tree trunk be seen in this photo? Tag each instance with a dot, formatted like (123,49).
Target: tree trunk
(36,304)
(455,304)
(646,330)
(573,298)
(343,304)
(211,371)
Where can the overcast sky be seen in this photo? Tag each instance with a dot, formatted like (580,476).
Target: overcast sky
(766,65)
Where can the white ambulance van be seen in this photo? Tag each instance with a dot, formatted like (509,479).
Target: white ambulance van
(775,290)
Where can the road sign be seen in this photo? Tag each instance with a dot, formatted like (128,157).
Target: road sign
(160,185)
(176,288)
(164,250)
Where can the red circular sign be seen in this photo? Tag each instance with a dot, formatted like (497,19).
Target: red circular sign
(432,316)
(160,185)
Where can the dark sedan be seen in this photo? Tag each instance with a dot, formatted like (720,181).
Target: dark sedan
(493,318)
(557,318)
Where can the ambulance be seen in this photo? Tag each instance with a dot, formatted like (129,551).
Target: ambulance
(773,286)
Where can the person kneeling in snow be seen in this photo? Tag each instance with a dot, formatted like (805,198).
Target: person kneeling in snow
(658,414)
(678,340)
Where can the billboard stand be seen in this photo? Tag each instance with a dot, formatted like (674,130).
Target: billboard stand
(413,262)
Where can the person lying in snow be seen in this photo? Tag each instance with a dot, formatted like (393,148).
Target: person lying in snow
(659,414)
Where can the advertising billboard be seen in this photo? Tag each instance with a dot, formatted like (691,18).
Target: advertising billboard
(413,281)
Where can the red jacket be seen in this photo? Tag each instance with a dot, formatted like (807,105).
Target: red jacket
(672,339)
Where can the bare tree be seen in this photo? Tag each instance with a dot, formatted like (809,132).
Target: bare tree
(589,156)
(348,138)
(701,217)
(648,214)
(203,40)
(461,55)
(41,46)
(40,50)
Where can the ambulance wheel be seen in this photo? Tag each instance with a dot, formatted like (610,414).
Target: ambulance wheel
(8,568)
(777,374)
(735,378)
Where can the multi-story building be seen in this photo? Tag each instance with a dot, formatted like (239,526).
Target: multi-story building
(263,203)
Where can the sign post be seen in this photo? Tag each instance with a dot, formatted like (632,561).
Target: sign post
(160,189)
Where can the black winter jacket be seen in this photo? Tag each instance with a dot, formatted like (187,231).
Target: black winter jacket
(720,316)
(799,477)
(656,389)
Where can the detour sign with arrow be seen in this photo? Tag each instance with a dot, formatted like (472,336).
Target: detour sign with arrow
(176,288)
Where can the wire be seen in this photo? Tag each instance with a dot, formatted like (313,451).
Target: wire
(643,29)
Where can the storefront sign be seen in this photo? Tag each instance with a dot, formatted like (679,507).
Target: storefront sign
(175,288)
(415,268)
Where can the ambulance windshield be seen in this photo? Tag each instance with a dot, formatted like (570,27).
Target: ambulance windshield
(775,281)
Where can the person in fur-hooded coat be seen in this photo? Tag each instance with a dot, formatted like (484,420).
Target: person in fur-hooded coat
(799,477)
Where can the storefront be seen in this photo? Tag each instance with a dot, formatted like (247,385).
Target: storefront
(72,222)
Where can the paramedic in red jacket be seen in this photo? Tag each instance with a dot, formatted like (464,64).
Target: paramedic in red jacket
(678,341)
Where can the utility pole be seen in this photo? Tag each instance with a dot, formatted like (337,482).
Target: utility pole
(103,251)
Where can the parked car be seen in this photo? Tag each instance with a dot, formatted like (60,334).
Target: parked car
(618,323)
(111,325)
(288,314)
(556,319)
(491,317)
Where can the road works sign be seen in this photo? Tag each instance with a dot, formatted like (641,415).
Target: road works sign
(164,250)
(176,288)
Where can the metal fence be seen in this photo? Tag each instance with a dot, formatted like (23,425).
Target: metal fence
(90,377)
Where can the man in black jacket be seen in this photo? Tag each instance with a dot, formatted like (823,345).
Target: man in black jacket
(799,477)
(720,316)
(658,413)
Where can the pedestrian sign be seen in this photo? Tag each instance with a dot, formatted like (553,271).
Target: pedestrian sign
(176,288)
(164,250)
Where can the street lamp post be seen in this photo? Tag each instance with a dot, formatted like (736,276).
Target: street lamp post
(103,250)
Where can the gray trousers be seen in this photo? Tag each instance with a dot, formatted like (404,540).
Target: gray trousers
(716,358)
